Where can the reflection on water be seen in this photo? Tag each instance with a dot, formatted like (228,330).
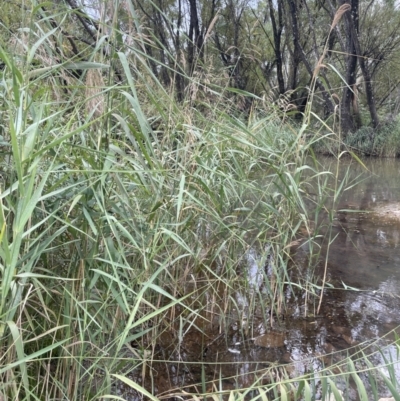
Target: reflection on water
(365,252)
(361,303)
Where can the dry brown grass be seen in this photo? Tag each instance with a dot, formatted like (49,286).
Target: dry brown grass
(95,104)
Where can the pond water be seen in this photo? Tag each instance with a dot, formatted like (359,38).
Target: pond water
(366,251)
(360,310)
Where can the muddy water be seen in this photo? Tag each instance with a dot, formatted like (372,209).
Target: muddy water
(360,309)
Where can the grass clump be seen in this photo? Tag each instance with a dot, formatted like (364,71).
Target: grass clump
(113,232)
(383,142)
(366,141)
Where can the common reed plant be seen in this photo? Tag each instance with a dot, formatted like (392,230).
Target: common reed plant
(126,216)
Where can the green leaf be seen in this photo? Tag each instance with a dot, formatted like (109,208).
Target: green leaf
(180,196)
(32,50)
(136,387)
(85,65)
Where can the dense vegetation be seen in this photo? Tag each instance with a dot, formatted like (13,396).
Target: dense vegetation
(133,138)
(271,50)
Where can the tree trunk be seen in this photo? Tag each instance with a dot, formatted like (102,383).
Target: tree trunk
(298,50)
(277,31)
(350,118)
(195,41)
(178,76)
(367,81)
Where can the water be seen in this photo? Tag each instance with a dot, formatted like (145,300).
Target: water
(359,312)
(366,251)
